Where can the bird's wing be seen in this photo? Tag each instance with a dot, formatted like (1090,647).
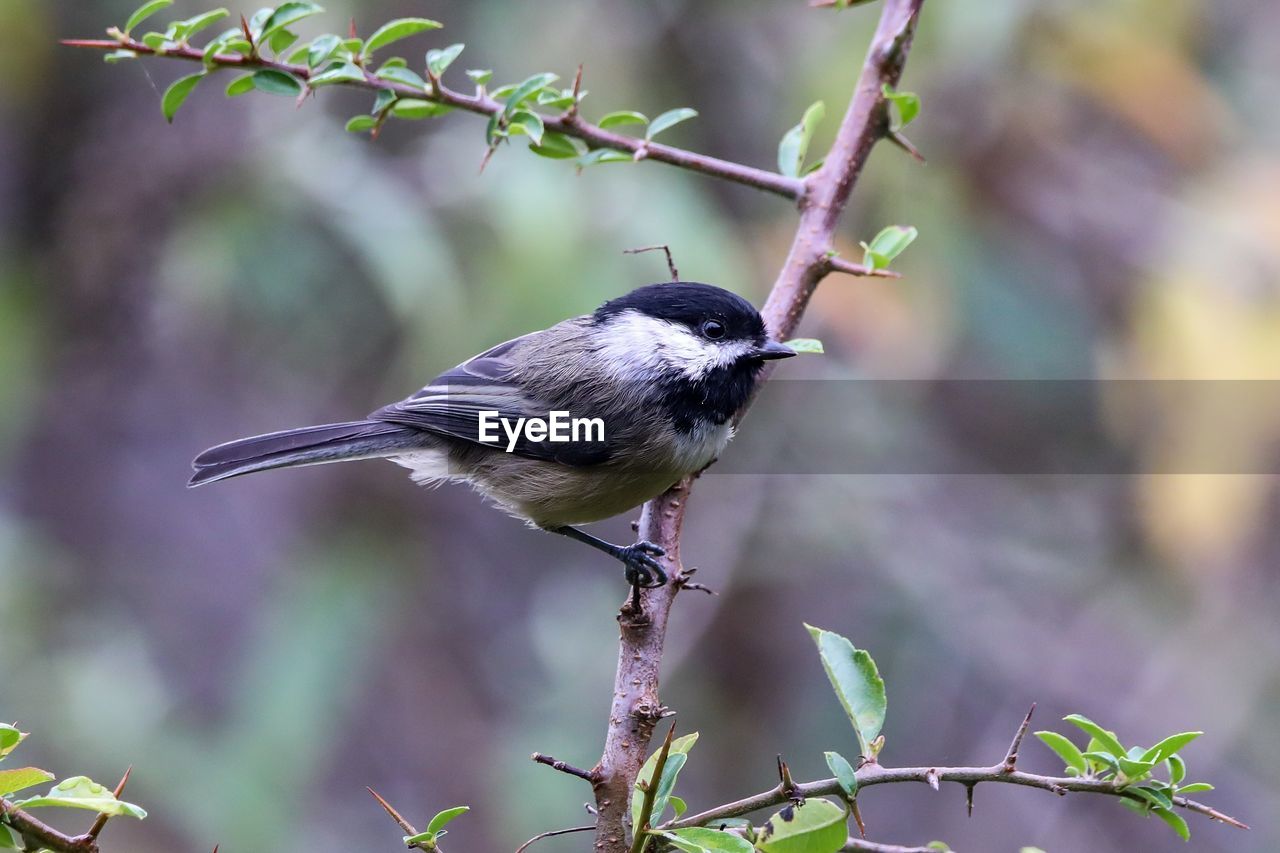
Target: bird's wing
(451,405)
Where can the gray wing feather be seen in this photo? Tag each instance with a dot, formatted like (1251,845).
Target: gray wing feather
(451,405)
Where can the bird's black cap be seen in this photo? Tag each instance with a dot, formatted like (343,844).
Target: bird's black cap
(690,303)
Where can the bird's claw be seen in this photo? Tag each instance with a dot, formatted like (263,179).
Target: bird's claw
(642,570)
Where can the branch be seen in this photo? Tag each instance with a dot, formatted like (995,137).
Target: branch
(873,774)
(35,830)
(569,123)
(636,707)
(1005,771)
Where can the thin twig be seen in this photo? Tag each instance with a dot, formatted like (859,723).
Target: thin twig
(671,264)
(873,774)
(858,844)
(553,833)
(556,764)
(481,103)
(835,263)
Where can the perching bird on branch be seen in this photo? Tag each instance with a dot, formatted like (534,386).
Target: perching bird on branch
(569,425)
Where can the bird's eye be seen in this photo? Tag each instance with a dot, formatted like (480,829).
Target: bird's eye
(713,329)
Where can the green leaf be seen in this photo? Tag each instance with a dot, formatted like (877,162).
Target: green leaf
(622,117)
(338,72)
(887,245)
(80,792)
(191,26)
(285,15)
(1102,760)
(10,737)
(815,826)
(119,56)
(415,108)
(1175,821)
(439,60)
(604,155)
(807,346)
(699,839)
(668,119)
(442,818)
(857,683)
(795,142)
(321,49)
(156,41)
(22,777)
(146,10)
(240,86)
(395,30)
(276,82)
(667,784)
(397,74)
(177,93)
(1177,768)
(938,845)
(557,146)
(844,773)
(1066,750)
(679,746)
(10,839)
(525,89)
(557,99)
(1169,746)
(529,123)
(362,124)
(1155,796)
(907,103)
(281,40)
(1134,770)
(1106,739)
(1195,788)
(480,75)
(678,805)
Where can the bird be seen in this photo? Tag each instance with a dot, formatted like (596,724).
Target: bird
(654,377)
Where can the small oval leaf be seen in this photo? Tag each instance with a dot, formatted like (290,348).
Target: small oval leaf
(177,93)
(395,30)
(669,119)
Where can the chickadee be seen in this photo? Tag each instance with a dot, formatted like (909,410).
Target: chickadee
(662,370)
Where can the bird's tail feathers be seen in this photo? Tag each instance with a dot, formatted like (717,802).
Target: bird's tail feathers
(313,445)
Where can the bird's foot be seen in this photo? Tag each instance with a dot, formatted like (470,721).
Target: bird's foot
(642,570)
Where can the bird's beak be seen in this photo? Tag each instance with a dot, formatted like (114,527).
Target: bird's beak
(773,350)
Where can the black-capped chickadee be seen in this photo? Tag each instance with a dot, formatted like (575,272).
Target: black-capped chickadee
(653,379)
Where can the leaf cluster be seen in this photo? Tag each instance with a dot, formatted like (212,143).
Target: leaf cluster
(1131,769)
(76,792)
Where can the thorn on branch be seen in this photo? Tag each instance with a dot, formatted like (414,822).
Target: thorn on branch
(902,142)
(857,818)
(968,798)
(671,264)
(684,582)
(101,820)
(395,815)
(572,115)
(789,789)
(931,776)
(1011,757)
(556,764)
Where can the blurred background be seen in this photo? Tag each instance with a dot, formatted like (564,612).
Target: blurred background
(1101,201)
